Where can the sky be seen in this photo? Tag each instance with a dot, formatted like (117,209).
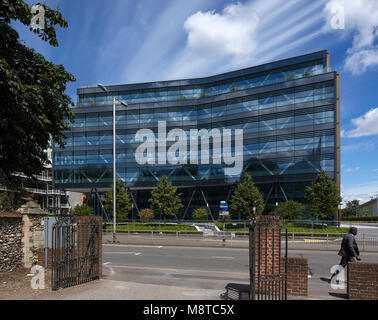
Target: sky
(126,41)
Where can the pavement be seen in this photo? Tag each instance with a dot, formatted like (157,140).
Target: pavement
(182,273)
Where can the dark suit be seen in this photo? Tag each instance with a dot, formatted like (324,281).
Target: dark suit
(349,249)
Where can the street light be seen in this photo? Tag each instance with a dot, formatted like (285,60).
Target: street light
(339,216)
(103,88)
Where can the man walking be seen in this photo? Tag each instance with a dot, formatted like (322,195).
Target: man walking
(349,249)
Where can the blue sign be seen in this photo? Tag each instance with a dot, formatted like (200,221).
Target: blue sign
(223,206)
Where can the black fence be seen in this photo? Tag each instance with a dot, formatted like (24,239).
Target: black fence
(76,253)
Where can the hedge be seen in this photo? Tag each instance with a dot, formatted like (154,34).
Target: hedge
(371,218)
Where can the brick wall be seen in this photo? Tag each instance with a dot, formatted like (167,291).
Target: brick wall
(362,280)
(297,276)
(83,241)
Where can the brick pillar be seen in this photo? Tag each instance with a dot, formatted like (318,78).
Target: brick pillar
(268,244)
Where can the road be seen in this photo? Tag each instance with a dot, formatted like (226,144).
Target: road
(369,230)
(135,272)
(204,268)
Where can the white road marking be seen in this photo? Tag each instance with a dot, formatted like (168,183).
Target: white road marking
(124,252)
(106,263)
(219,257)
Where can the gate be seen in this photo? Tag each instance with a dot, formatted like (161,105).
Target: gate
(75,252)
(268,269)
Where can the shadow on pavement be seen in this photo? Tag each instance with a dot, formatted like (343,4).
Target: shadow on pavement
(325,279)
(338,295)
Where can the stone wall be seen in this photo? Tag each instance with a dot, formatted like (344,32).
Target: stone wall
(10,242)
(21,235)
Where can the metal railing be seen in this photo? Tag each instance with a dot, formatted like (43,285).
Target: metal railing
(297,240)
(44,191)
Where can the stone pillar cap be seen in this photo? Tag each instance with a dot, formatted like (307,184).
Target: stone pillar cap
(31,208)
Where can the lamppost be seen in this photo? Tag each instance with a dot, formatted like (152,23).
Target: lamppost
(103,88)
(252,255)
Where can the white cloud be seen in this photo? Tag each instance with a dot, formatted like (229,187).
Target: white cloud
(246,34)
(366,125)
(358,62)
(361,19)
(232,32)
(352,169)
(364,192)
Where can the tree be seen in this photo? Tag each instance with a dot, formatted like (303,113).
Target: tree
(289,210)
(245,197)
(34,108)
(199,214)
(123,201)
(323,197)
(164,200)
(146,214)
(82,210)
(351,208)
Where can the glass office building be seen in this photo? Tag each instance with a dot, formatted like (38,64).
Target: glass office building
(288,111)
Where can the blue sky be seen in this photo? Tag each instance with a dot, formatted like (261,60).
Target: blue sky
(123,41)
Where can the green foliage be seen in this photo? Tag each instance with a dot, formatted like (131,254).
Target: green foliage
(203,94)
(199,214)
(290,77)
(245,197)
(351,208)
(82,210)
(34,108)
(289,210)
(146,214)
(307,73)
(123,201)
(234,88)
(164,200)
(323,197)
(362,219)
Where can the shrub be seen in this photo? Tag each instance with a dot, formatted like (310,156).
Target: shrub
(355,218)
(199,214)
(82,210)
(146,214)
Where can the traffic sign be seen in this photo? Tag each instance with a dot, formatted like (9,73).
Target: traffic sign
(223,206)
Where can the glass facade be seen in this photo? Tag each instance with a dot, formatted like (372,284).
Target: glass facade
(288,111)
